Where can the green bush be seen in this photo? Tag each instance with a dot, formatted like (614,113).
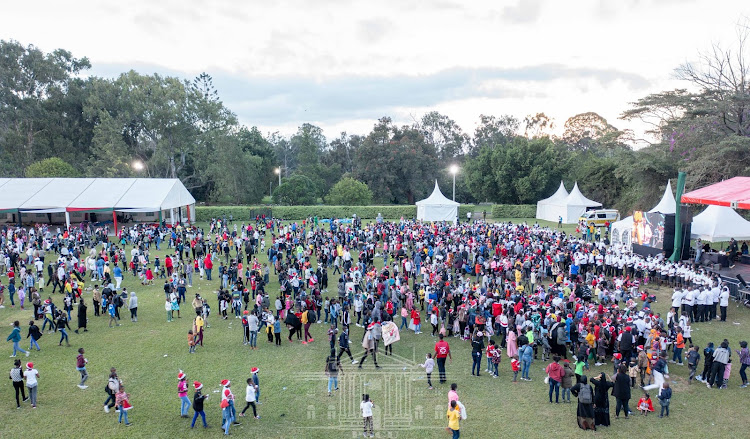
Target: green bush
(247,213)
(239,213)
(513,211)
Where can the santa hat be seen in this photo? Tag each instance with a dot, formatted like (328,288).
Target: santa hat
(245,312)
(225,383)
(197,385)
(181,376)
(629,320)
(570,316)
(627,329)
(29,365)
(640,347)
(254,370)
(617,355)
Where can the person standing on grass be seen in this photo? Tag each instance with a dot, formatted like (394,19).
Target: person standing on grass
(133,306)
(428,366)
(16,375)
(112,311)
(198,400)
(31,376)
(250,399)
(366,406)
(34,334)
(15,338)
(122,403)
(454,416)
(113,386)
(81,362)
(442,351)
(332,371)
(82,319)
(62,324)
(621,391)
(182,394)
(555,373)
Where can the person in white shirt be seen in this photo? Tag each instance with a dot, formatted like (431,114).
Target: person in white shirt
(366,406)
(724,302)
(31,375)
(677,300)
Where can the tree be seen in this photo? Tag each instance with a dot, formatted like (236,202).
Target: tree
(444,134)
(495,131)
(349,192)
(705,129)
(538,125)
(396,163)
(522,171)
(296,190)
(51,167)
(33,92)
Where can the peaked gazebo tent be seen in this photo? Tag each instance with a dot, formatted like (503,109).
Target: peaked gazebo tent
(576,205)
(550,209)
(622,229)
(437,207)
(719,223)
(81,199)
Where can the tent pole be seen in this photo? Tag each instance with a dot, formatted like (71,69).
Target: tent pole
(114,217)
(67,220)
(171,216)
(676,255)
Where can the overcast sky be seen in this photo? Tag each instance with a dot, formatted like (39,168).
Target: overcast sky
(343,64)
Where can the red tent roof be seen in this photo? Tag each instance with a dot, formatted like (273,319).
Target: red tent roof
(734,192)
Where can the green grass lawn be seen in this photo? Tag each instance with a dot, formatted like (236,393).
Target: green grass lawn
(149,353)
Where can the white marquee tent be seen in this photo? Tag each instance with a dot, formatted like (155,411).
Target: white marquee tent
(576,205)
(549,209)
(78,197)
(621,230)
(719,223)
(437,207)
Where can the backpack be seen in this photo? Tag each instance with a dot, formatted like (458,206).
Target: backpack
(585,395)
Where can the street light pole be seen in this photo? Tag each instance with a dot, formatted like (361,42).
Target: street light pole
(454,170)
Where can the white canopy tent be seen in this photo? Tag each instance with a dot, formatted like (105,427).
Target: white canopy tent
(621,230)
(550,209)
(26,196)
(719,223)
(437,207)
(575,205)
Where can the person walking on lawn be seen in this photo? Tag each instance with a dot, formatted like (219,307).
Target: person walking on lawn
(15,338)
(442,351)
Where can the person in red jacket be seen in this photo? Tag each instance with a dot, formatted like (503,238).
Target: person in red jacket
(417,322)
(208,265)
(442,350)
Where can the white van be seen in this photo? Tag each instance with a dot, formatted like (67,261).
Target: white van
(598,218)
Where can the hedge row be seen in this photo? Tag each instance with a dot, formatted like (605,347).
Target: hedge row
(246,213)
(513,211)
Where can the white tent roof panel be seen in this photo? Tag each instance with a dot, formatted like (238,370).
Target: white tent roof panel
(667,205)
(719,223)
(437,199)
(16,191)
(56,195)
(50,195)
(104,193)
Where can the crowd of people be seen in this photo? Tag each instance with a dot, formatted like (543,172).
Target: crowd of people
(526,290)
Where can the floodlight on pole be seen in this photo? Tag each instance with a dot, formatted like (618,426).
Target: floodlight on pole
(137,165)
(278,172)
(454,170)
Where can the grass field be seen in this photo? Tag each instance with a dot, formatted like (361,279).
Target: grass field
(149,353)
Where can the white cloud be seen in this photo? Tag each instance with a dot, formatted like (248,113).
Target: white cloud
(391,57)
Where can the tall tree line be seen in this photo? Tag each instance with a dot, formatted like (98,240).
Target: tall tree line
(54,121)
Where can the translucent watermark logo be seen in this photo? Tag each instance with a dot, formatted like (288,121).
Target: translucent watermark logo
(398,390)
